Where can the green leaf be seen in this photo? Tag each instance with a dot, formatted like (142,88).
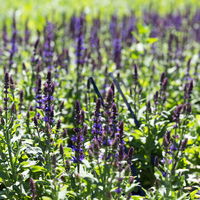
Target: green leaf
(62,193)
(183,196)
(194,194)
(67,152)
(46,198)
(151,40)
(131,188)
(3,175)
(37,168)
(28,163)
(70,193)
(137,197)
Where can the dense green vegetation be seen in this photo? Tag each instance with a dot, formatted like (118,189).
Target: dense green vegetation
(100,100)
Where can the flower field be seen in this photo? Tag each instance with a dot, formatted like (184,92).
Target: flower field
(98,102)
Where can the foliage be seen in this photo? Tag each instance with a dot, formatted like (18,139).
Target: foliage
(99,108)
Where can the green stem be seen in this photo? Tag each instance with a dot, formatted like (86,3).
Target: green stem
(10,152)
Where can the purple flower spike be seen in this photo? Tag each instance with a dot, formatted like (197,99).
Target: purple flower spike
(118,190)
(164,174)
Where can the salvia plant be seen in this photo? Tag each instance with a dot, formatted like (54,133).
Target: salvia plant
(101,108)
